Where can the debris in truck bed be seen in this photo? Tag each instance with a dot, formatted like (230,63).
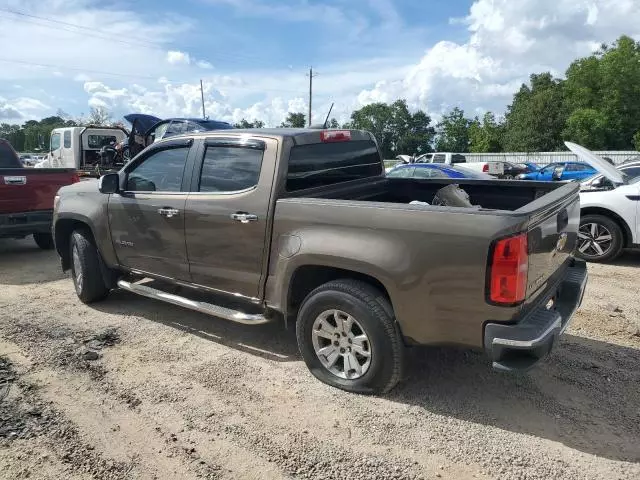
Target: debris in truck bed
(452,196)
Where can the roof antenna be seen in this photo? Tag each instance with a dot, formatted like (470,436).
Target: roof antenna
(327,119)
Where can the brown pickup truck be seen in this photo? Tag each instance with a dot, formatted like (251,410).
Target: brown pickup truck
(257,225)
(26,197)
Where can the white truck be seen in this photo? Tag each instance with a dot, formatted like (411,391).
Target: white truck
(449,158)
(90,150)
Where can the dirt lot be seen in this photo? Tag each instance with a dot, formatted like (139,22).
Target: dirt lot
(174,394)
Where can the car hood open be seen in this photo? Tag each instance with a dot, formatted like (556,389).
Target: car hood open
(605,168)
(144,121)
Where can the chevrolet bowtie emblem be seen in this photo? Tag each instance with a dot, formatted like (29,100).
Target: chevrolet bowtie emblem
(562,241)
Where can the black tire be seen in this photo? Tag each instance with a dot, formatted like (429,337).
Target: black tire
(611,249)
(90,286)
(373,312)
(44,240)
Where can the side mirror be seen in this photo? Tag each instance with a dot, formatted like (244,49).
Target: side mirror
(109,183)
(557,173)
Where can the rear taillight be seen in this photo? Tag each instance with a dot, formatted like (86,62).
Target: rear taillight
(75,178)
(509,270)
(485,168)
(328,136)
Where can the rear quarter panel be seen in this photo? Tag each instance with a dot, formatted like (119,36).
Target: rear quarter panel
(431,260)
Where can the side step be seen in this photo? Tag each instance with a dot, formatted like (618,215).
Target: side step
(203,307)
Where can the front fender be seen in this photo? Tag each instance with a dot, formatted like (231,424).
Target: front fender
(90,210)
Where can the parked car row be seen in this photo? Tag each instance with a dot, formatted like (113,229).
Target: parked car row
(610,202)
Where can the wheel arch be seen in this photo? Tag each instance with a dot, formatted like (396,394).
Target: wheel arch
(63,229)
(307,277)
(624,226)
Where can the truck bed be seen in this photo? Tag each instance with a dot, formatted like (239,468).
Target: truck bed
(432,259)
(509,195)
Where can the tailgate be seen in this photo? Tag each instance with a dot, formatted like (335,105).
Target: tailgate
(552,236)
(27,190)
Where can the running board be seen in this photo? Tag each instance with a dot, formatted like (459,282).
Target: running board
(203,307)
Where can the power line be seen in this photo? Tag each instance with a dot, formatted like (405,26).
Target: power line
(141,43)
(60,22)
(126,75)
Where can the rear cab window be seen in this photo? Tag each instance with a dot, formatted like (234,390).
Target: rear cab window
(321,164)
(8,157)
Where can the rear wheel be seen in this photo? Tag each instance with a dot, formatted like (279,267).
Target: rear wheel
(349,339)
(85,268)
(44,240)
(599,238)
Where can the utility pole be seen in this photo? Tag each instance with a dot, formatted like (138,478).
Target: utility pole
(202,97)
(310,75)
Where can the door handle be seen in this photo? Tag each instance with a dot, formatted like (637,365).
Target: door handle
(15,180)
(244,217)
(168,212)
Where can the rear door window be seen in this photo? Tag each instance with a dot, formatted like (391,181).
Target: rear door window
(429,173)
(320,164)
(8,157)
(67,139)
(230,169)
(457,158)
(439,158)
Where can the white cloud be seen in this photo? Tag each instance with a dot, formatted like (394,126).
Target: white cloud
(507,42)
(204,64)
(9,113)
(20,109)
(176,57)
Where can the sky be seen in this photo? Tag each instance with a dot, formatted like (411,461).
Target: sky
(253,56)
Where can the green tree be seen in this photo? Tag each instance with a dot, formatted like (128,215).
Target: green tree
(485,136)
(396,129)
(536,118)
(294,120)
(333,123)
(247,124)
(588,127)
(607,82)
(636,140)
(453,132)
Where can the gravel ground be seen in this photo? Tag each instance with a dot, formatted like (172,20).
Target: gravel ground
(130,388)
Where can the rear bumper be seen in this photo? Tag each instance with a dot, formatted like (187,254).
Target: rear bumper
(519,346)
(17,225)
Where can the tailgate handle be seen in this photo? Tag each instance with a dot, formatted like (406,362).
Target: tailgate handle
(15,180)
(563,220)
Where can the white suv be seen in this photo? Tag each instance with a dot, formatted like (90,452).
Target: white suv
(610,211)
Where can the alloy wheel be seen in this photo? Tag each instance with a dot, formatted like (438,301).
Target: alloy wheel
(341,344)
(594,240)
(77,268)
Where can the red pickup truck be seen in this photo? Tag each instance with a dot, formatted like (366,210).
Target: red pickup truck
(27,196)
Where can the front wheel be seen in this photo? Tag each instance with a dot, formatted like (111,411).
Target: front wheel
(85,268)
(349,339)
(600,239)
